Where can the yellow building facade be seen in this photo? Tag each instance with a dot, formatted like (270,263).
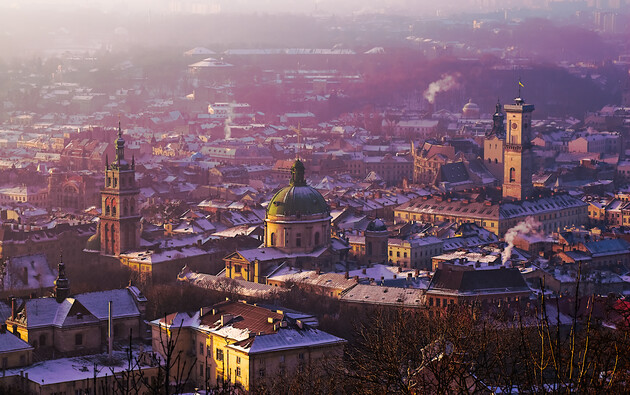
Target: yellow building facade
(240,344)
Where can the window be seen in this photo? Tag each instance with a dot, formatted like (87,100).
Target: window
(301,356)
(78,339)
(261,372)
(42,340)
(219,355)
(397,254)
(272,239)
(238,359)
(316,238)
(238,371)
(201,347)
(512,174)
(298,240)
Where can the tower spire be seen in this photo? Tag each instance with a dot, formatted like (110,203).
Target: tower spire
(120,146)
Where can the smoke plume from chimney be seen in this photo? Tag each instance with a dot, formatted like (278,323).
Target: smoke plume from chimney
(528,227)
(446,83)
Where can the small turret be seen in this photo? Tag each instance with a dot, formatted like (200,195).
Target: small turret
(62,285)
(498,119)
(297,174)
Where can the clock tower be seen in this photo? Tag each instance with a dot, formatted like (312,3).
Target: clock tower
(119,221)
(517,180)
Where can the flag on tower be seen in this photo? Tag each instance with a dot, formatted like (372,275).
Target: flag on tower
(520,83)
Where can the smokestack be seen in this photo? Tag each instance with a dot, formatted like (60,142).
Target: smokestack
(110,329)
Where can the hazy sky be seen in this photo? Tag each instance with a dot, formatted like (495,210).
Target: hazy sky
(430,7)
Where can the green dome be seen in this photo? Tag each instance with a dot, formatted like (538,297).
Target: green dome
(94,242)
(297,199)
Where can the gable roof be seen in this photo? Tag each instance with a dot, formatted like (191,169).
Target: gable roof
(92,306)
(476,282)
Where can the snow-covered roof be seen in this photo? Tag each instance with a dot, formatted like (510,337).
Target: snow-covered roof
(9,342)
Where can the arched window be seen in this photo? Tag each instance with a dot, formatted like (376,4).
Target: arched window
(113,206)
(298,239)
(489,160)
(316,238)
(272,239)
(496,161)
(512,174)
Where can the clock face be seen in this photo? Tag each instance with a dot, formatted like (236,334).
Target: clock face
(514,125)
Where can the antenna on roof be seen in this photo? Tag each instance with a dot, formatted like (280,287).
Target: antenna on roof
(298,131)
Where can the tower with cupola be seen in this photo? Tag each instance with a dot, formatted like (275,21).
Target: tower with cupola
(517,180)
(119,221)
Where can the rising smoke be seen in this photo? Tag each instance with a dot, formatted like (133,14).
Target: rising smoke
(528,227)
(446,83)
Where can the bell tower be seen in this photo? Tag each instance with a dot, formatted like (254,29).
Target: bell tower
(517,170)
(120,220)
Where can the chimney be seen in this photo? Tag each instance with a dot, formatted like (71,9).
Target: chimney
(364,271)
(346,275)
(110,329)
(13,308)
(225,318)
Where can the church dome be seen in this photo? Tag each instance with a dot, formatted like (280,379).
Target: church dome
(376,225)
(298,199)
(470,110)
